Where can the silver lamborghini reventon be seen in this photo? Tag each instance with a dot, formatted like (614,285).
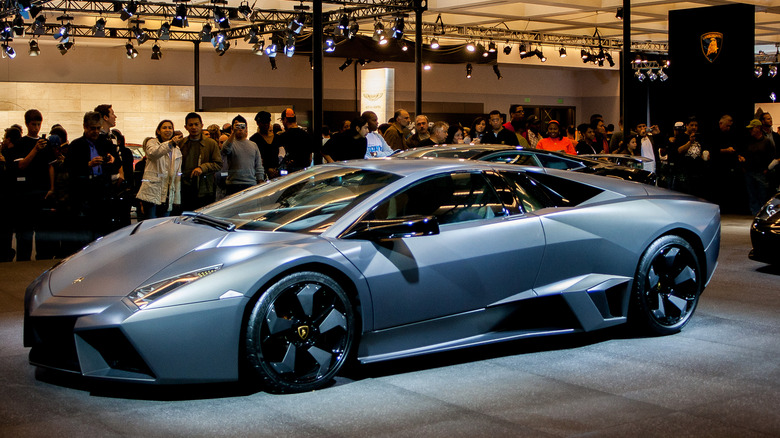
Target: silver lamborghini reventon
(369,261)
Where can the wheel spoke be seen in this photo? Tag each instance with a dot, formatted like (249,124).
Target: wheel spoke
(287,365)
(275,323)
(306,298)
(333,320)
(686,275)
(323,359)
(680,303)
(660,311)
(652,278)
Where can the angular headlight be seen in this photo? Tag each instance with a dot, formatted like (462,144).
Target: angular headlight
(145,295)
(771,208)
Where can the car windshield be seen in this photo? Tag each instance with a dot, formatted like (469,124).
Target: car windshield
(308,201)
(441,152)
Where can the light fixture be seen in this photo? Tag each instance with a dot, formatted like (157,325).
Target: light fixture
(289,45)
(383,39)
(39,25)
(434,44)
(427,66)
(245,10)
(772,96)
(272,47)
(585,55)
(99,29)
(662,75)
(222,47)
(8,51)
(497,71)
(540,55)
(491,47)
(652,75)
(619,13)
(404,46)
(470,46)
(354,28)
(64,47)
(521,50)
(130,51)
(165,31)
(273,63)
(218,39)
(221,18)
(398,27)
(258,48)
(156,52)
(18,25)
(140,35)
(329,45)
(438,26)
(6,31)
(34,49)
(344,24)
(772,71)
(129,10)
(609,59)
(296,24)
(469,69)
(346,64)
(379,29)
(562,52)
(758,71)
(205,33)
(507,48)
(63,33)
(639,76)
(180,19)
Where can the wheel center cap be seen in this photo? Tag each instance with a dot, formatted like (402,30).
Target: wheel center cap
(303,332)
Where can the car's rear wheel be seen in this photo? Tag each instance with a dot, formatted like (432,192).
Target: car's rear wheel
(667,286)
(300,332)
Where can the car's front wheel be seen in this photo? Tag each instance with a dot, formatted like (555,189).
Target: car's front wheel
(300,332)
(667,286)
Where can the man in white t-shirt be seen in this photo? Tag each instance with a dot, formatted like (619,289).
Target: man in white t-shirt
(647,145)
(376,144)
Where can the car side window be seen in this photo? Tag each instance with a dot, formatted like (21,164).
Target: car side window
(512,157)
(553,162)
(531,196)
(452,198)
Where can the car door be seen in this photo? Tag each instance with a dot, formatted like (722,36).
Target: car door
(485,251)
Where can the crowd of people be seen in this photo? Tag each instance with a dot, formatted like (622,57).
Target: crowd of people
(65,194)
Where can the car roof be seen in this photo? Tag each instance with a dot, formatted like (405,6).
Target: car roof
(413,166)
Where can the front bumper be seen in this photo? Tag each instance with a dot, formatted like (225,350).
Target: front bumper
(110,338)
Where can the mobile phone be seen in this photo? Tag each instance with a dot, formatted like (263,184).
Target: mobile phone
(241,126)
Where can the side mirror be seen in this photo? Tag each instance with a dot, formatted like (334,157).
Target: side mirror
(388,229)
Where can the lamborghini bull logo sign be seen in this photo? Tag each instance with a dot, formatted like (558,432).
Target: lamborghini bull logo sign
(303,332)
(711,45)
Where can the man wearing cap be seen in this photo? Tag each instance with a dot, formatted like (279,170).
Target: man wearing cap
(394,136)
(264,139)
(498,134)
(295,143)
(555,141)
(757,155)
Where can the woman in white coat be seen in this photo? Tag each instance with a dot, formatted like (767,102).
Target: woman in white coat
(161,183)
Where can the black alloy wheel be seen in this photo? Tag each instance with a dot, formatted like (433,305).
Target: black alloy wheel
(300,333)
(667,286)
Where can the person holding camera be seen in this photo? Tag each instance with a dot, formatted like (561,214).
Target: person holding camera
(161,184)
(690,159)
(244,165)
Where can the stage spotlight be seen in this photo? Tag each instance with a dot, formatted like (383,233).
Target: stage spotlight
(218,39)
(289,45)
(619,14)
(8,51)
(540,55)
(18,25)
(221,18)
(140,35)
(379,29)
(156,52)
(296,25)
(222,47)
(252,37)
(346,64)
(772,96)
(6,31)
(398,28)
(470,46)
(497,72)
(63,33)
(562,52)
(609,59)
(403,45)
(34,49)
(39,25)
(772,71)
(329,45)
(180,19)
(507,48)
(129,10)
(434,44)
(245,10)
(344,24)
(205,33)
(758,71)
(427,66)
(165,31)
(662,75)
(258,48)
(491,47)
(273,63)
(639,76)
(99,29)
(354,28)
(469,69)
(522,50)
(652,75)
(130,51)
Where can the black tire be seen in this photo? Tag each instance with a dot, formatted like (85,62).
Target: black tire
(300,333)
(667,286)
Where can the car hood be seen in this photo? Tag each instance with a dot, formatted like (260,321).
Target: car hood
(130,257)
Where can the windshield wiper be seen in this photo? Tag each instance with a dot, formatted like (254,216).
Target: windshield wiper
(208,220)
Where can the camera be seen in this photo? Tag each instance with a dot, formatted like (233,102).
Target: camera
(53,141)
(241,125)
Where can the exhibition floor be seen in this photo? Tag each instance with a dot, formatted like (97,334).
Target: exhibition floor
(719,377)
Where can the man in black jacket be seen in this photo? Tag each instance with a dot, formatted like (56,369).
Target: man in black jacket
(498,134)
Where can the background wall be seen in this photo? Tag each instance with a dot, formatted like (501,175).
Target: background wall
(143,91)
